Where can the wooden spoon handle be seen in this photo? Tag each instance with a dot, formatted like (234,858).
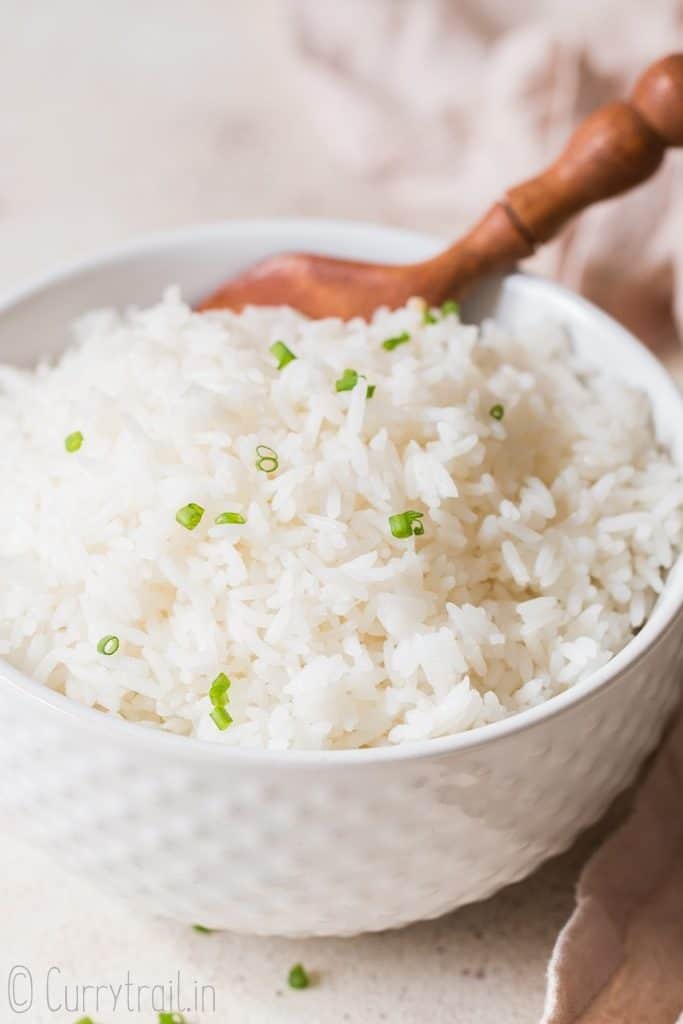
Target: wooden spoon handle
(617,147)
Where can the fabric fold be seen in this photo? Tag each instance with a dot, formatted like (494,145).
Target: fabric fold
(620,956)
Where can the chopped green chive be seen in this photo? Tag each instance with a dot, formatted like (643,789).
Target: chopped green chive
(428,317)
(85,1020)
(202,929)
(406,524)
(450,306)
(172,1018)
(282,354)
(218,693)
(298,977)
(497,411)
(391,343)
(266,459)
(189,516)
(349,379)
(72,442)
(108,645)
(230,517)
(222,718)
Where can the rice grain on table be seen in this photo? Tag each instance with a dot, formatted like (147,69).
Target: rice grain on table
(548,530)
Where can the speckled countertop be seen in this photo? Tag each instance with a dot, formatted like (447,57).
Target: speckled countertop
(482,965)
(113,125)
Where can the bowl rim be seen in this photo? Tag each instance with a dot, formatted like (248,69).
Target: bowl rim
(660,622)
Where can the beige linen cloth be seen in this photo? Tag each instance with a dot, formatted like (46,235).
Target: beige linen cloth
(445,103)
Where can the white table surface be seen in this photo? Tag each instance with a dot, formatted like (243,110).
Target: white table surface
(117,119)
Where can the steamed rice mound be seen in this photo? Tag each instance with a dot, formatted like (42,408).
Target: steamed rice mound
(547,533)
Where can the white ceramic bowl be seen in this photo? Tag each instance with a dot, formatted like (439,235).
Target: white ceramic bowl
(328,843)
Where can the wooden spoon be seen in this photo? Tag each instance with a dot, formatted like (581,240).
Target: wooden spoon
(617,147)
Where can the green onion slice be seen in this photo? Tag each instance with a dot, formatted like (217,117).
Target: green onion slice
(230,517)
(497,411)
(283,354)
(449,307)
(406,524)
(349,379)
(218,693)
(428,317)
(172,1018)
(72,442)
(202,929)
(222,718)
(189,516)
(298,977)
(108,645)
(266,459)
(391,343)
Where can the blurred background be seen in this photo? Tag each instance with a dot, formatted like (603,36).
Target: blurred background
(125,117)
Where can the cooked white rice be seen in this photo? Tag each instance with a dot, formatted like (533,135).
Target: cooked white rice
(547,535)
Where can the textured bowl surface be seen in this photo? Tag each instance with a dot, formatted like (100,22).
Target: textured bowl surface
(326,843)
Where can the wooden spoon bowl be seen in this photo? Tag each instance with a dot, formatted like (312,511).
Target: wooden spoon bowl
(613,150)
